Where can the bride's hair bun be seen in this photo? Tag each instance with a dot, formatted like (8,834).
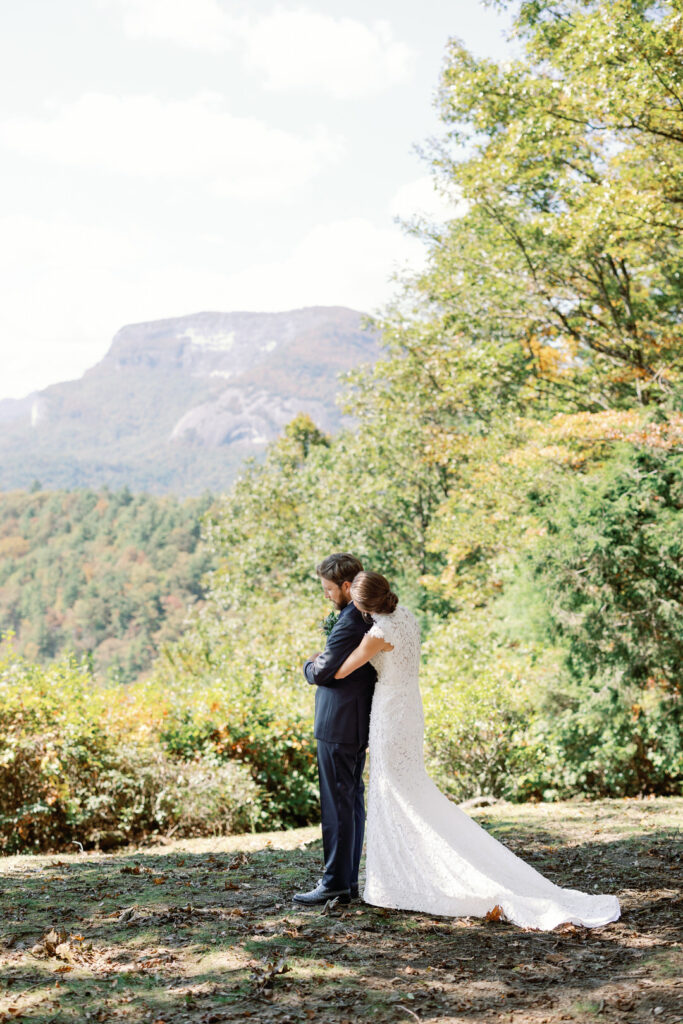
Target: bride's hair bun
(371,593)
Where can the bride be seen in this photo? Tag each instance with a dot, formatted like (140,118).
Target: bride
(423,852)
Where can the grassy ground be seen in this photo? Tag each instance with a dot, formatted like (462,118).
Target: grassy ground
(204,931)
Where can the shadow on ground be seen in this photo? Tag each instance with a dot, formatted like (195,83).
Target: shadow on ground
(205,931)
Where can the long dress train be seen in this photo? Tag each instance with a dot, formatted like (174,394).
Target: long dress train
(423,852)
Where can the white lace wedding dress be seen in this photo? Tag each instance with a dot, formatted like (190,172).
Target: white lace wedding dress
(423,852)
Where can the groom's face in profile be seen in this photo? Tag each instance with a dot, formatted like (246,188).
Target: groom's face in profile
(339,596)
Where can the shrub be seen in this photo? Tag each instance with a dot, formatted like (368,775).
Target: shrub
(233,690)
(71,772)
(276,749)
(478,692)
(609,574)
(610,569)
(606,740)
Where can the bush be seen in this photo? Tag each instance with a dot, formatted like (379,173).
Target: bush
(610,569)
(277,751)
(606,741)
(478,699)
(234,691)
(72,772)
(194,798)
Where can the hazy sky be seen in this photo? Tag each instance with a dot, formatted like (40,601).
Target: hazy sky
(162,157)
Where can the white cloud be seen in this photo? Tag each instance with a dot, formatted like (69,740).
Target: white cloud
(344,262)
(291,50)
(195,24)
(58,300)
(341,57)
(68,287)
(144,136)
(420,198)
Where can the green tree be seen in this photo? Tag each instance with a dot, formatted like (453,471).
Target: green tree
(571,246)
(611,565)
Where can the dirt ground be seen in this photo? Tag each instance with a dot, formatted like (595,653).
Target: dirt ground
(204,931)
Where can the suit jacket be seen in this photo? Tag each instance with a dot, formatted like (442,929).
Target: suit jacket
(342,706)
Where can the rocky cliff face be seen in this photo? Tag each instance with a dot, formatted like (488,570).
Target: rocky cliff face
(238,416)
(175,405)
(215,343)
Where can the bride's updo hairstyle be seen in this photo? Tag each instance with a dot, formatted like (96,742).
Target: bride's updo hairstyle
(370,592)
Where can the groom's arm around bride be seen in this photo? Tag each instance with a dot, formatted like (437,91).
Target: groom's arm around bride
(341,704)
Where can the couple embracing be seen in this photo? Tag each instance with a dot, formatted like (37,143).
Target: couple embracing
(423,852)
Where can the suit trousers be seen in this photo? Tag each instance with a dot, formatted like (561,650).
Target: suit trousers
(342,808)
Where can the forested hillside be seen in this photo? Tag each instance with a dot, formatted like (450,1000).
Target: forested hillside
(104,574)
(516,469)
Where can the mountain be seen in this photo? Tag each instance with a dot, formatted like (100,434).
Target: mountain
(176,405)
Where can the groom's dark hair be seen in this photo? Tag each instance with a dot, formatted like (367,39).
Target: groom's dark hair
(339,567)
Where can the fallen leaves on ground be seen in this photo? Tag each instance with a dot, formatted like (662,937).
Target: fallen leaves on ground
(263,975)
(205,932)
(496,914)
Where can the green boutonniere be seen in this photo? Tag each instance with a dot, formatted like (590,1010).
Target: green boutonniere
(328,623)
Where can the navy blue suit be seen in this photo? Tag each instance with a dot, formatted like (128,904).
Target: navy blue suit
(342,723)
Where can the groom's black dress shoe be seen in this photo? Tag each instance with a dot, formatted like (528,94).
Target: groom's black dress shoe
(316,897)
(354,891)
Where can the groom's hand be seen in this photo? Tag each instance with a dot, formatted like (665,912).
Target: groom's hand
(344,638)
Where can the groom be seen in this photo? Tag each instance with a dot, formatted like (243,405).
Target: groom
(342,722)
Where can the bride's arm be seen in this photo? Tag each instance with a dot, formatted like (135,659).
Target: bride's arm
(368,648)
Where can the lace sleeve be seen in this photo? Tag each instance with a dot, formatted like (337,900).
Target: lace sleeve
(379,629)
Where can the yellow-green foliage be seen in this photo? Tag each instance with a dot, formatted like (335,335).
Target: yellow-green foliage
(83,763)
(234,688)
(479,695)
(538,357)
(218,738)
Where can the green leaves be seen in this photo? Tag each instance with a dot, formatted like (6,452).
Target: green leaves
(328,623)
(610,575)
(613,565)
(512,464)
(571,246)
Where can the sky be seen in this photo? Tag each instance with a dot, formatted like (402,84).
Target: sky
(165,157)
